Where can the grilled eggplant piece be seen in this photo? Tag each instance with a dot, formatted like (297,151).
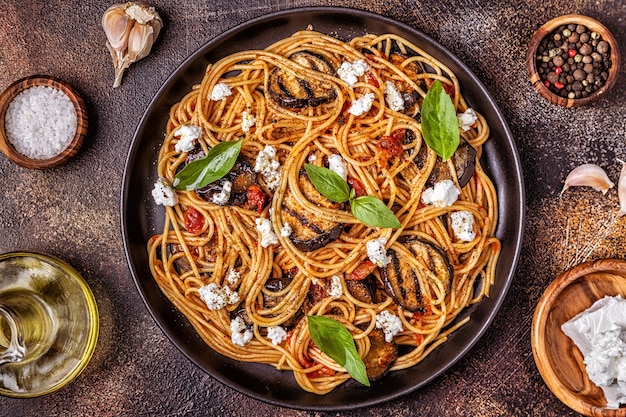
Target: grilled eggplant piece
(401,280)
(242,176)
(309,231)
(381,356)
(464,160)
(290,91)
(363,290)
(275,285)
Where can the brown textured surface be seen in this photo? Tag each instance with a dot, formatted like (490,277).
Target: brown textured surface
(72,211)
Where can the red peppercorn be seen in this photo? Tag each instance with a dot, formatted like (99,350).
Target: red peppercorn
(546,83)
(558,85)
(558,70)
(572,53)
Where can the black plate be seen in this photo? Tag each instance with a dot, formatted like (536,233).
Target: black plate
(141,218)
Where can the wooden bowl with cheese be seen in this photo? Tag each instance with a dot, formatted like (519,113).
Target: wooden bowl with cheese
(558,359)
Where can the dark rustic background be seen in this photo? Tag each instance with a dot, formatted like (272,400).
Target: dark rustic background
(73,211)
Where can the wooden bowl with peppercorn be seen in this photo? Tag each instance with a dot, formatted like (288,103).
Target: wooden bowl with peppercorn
(573,60)
(43,122)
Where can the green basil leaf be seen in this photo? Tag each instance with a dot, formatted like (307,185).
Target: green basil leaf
(218,162)
(335,340)
(328,183)
(373,212)
(440,126)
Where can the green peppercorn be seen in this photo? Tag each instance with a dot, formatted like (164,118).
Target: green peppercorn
(567,32)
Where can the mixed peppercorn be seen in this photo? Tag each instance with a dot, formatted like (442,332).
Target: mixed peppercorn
(573,61)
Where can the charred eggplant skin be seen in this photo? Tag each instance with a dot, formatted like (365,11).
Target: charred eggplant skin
(464,160)
(241,176)
(401,281)
(290,91)
(381,356)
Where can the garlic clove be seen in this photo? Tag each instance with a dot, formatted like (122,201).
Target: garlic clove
(588,175)
(621,190)
(131,29)
(116,26)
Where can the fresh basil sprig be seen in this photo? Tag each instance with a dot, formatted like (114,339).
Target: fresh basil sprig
(335,340)
(367,209)
(218,162)
(440,126)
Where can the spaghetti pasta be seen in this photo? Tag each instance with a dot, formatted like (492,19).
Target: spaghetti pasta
(248,257)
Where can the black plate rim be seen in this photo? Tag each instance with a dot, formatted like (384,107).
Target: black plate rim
(335,401)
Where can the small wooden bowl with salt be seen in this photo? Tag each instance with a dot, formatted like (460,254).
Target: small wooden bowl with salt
(43,122)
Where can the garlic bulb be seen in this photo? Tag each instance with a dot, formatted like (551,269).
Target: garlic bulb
(621,190)
(589,175)
(131,29)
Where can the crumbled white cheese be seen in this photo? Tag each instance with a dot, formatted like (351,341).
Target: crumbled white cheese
(467,119)
(336,290)
(338,166)
(220,92)
(463,225)
(350,72)
(241,334)
(377,253)
(362,105)
(393,97)
(276,334)
(600,334)
(247,121)
(390,324)
(442,194)
(223,196)
(312,158)
(186,135)
(164,194)
(264,227)
(217,297)
(269,167)
(233,277)
(286,231)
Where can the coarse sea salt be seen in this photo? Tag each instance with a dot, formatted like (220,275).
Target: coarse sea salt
(40,122)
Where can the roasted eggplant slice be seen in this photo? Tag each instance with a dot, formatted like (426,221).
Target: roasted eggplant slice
(241,176)
(363,290)
(309,230)
(464,160)
(290,91)
(401,279)
(381,356)
(275,285)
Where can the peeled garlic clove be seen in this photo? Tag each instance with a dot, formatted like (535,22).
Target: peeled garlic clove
(621,190)
(131,30)
(589,175)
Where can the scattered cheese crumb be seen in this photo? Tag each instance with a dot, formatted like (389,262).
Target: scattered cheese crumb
(163,194)
(186,135)
(247,121)
(336,290)
(350,72)
(220,92)
(362,105)
(467,119)
(276,334)
(463,225)
(269,167)
(338,166)
(223,196)
(389,323)
(312,158)
(217,297)
(233,277)
(377,253)
(286,231)
(443,194)
(264,227)
(393,97)
(241,335)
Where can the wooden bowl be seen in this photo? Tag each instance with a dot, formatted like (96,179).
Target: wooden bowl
(81,118)
(559,361)
(545,30)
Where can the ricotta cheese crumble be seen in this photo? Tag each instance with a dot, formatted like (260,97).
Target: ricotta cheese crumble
(240,333)
(442,194)
(217,297)
(467,119)
(362,105)
(390,324)
(220,92)
(163,194)
(377,253)
(351,71)
(276,334)
(264,228)
(338,166)
(393,97)
(268,166)
(463,225)
(187,135)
